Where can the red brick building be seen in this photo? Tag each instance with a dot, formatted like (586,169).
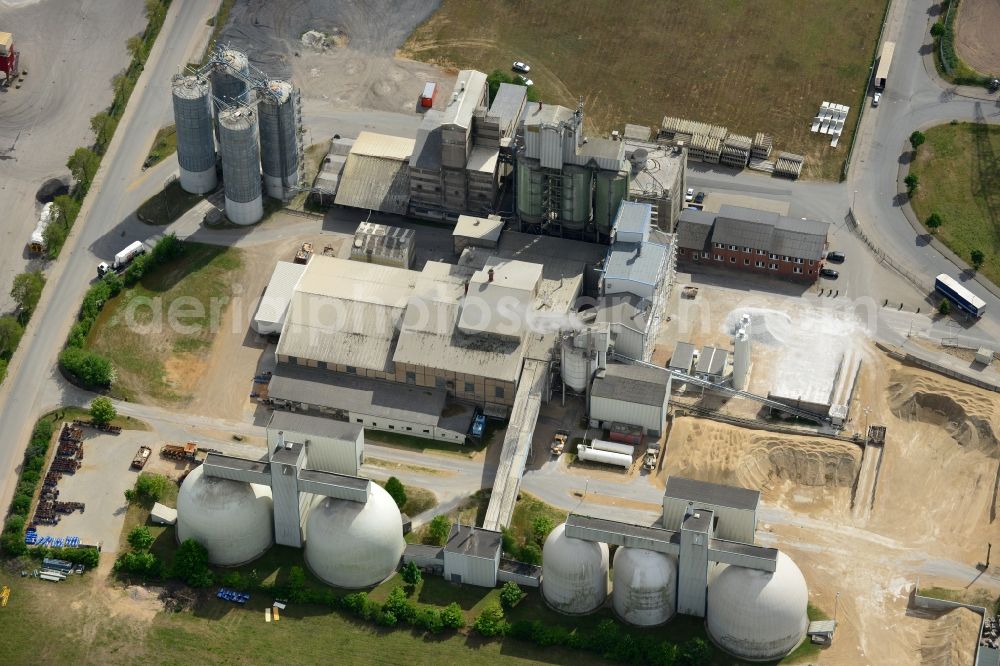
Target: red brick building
(752,240)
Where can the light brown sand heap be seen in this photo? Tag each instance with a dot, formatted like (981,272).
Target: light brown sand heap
(951,639)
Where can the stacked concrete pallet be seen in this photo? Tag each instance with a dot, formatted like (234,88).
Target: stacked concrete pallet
(736,150)
(789,164)
(705,148)
(761,149)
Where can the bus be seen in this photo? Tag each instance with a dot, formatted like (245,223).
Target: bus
(884,62)
(949,287)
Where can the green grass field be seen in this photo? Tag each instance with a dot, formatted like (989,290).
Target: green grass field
(164,145)
(168,205)
(151,350)
(959,172)
(752,66)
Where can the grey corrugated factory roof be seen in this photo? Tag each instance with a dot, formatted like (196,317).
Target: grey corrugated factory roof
(683,357)
(632,383)
(694,228)
(314,425)
(638,262)
(312,386)
(474,541)
(624,309)
(744,227)
(375,183)
(536,113)
(633,218)
(602,148)
(507,103)
(232,462)
(805,239)
(682,488)
(334,479)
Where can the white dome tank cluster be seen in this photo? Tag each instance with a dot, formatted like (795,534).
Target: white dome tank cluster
(234,520)
(353,545)
(758,615)
(574,573)
(644,592)
(348,544)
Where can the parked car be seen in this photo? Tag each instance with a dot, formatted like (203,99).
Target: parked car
(522,67)
(690,194)
(699,198)
(525,81)
(829,273)
(478,425)
(876,98)
(835,255)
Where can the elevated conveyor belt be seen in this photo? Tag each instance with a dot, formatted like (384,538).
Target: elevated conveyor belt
(516,445)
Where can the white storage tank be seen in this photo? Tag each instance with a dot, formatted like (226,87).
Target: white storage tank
(574,573)
(589,454)
(644,592)
(353,545)
(758,615)
(614,447)
(576,366)
(234,520)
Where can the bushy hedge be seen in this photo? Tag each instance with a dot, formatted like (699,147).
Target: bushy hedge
(944,38)
(12,540)
(89,368)
(610,642)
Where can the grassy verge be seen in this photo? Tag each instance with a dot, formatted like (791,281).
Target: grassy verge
(421,444)
(975,596)
(951,67)
(154,352)
(753,67)
(959,179)
(164,145)
(70,413)
(168,205)
(418,500)
(218,22)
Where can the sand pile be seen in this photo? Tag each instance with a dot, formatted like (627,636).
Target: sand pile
(968,417)
(951,639)
(721,453)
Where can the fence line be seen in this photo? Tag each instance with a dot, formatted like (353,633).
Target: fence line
(916,281)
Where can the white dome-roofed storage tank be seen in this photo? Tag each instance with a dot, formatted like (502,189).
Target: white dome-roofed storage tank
(758,615)
(234,520)
(644,592)
(574,573)
(349,544)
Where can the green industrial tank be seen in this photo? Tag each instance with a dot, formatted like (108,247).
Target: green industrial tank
(610,190)
(577,195)
(529,190)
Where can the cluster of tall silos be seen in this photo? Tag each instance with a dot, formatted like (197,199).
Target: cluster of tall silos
(254,120)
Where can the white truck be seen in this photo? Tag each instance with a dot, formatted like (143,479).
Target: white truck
(122,259)
(37,242)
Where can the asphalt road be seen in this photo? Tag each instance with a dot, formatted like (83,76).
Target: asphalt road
(95,235)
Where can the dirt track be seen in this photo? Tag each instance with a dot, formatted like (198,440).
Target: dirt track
(976,40)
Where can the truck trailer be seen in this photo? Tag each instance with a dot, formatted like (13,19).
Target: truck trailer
(10,60)
(37,242)
(884,63)
(122,259)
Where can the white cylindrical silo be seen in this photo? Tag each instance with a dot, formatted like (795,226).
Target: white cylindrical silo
(758,615)
(195,140)
(644,592)
(234,520)
(238,143)
(353,545)
(574,573)
(575,366)
(279,143)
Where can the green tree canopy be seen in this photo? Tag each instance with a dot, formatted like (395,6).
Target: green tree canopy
(26,292)
(140,538)
(396,490)
(438,530)
(102,410)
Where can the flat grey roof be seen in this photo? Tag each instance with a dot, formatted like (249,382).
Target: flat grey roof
(699,521)
(507,103)
(691,490)
(520,568)
(474,541)
(624,310)
(422,551)
(638,262)
(342,480)
(632,383)
(287,456)
(232,462)
(712,360)
(634,217)
(683,357)
(628,529)
(313,386)
(314,425)
(427,148)
(747,549)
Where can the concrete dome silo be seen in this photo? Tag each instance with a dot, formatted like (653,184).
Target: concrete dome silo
(234,520)
(645,586)
(574,573)
(758,615)
(352,545)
